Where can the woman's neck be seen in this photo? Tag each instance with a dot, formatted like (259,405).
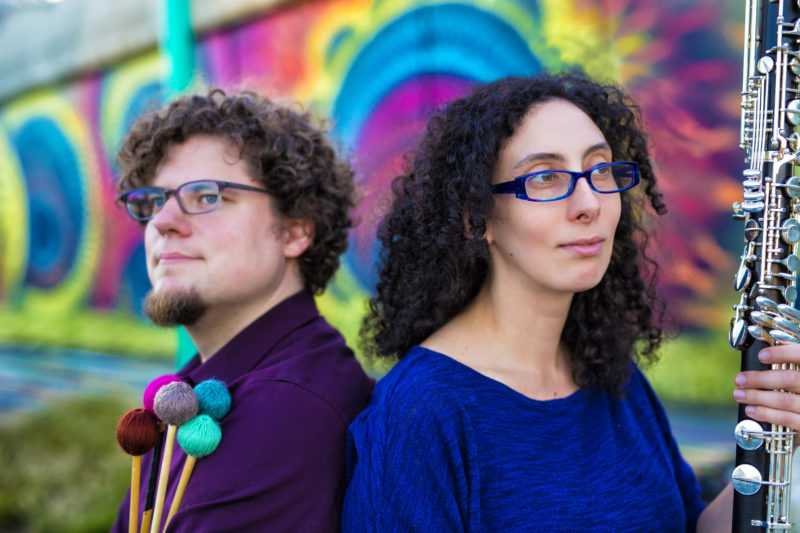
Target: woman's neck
(514,337)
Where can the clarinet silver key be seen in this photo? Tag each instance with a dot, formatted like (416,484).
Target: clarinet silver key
(763,320)
(768,306)
(758,333)
(782,337)
(789,312)
(787,326)
(790,232)
(791,262)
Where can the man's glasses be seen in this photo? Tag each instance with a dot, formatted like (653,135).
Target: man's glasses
(194,198)
(550,185)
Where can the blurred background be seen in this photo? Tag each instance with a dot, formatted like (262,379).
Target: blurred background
(75,349)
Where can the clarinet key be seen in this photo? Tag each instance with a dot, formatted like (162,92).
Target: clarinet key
(787,326)
(752,229)
(753,207)
(792,186)
(790,293)
(790,232)
(757,333)
(763,320)
(746,479)
(767,305)
(749,434)
(742,279)
(789,312)
(737,334)
(782,337)
(791,262)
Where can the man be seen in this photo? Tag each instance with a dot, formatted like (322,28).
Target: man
(245,206)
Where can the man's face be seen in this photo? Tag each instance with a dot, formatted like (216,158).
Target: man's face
(230,260)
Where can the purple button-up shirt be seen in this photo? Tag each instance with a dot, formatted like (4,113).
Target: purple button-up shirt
(280,466)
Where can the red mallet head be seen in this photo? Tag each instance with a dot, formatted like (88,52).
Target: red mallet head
(176,403)
(137,431)
(152,389)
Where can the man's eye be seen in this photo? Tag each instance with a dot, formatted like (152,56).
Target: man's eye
(209,199)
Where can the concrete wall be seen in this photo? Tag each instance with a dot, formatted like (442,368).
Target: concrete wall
(47,43)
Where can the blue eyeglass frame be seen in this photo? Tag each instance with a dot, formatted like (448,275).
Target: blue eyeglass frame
(517,185)
(221,185)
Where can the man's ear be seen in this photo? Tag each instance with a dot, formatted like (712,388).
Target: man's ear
(298,236)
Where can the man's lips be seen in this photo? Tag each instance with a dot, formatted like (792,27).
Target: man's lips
(584,247)
(169,258)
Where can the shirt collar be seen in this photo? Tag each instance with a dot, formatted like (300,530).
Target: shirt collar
(251,345)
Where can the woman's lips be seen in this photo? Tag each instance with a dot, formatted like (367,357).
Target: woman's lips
(584,247)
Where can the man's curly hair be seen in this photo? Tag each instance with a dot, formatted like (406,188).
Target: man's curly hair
(434,256)
(287,153)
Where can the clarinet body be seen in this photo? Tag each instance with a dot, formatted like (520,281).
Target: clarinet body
(767,276)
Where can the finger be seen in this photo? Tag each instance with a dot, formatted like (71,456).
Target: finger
(773,416)
(782,353)
(769,379)
(775,400)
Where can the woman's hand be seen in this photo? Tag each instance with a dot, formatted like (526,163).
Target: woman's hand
(772,396)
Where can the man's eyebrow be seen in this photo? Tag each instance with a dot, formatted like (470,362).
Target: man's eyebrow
(541,156)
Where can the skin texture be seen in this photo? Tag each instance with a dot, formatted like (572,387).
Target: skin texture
(240,259)
(553,248)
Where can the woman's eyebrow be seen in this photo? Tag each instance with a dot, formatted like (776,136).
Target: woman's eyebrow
(597,148)
(538,156)
(541,156)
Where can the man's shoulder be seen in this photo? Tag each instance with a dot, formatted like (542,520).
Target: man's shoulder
(317,362)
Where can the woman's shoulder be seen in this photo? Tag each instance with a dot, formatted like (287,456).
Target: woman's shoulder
(420,376)
(424,387)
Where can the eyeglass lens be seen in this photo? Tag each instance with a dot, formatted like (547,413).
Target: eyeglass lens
(194,198)
(556,183)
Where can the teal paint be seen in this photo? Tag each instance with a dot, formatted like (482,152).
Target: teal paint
(177,44)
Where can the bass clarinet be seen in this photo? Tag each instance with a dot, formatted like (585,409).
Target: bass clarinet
(767,276)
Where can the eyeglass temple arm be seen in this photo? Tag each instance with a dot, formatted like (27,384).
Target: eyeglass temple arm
(507,187)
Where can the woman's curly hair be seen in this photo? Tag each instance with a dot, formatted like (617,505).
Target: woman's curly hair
(288,154)
(434,256)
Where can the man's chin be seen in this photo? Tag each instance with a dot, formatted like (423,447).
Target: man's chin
(168,309)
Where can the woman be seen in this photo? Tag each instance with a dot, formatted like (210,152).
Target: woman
(515,290)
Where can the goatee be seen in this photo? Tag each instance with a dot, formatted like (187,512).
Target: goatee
(168,310)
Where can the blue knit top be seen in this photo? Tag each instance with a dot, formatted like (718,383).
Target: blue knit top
(443,448)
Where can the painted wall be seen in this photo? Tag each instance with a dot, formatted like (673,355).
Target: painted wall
(71,263)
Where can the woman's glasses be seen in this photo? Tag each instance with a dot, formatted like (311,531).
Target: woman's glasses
(551,185)
(194,198)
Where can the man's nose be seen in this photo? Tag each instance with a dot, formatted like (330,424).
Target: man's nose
(170,217)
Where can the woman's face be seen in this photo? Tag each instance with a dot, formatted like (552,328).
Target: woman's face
(563,246)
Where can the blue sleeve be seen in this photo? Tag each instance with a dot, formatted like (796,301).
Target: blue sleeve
(414,470)
(684,475)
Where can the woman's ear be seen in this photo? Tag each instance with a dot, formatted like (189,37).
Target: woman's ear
(487,234)
(299,232)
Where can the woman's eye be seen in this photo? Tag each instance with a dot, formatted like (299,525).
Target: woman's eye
(209,199)
(545,177)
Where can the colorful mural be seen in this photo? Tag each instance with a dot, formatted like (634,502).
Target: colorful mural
(71,263)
